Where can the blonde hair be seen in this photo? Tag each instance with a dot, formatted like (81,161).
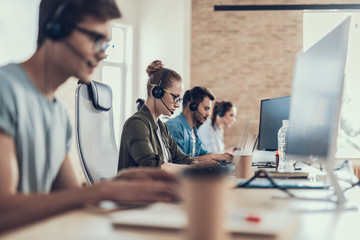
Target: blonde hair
(155,71)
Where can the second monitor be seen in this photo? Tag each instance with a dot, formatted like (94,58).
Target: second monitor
(272,112)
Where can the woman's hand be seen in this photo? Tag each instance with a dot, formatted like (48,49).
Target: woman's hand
(222,156)
(146,174)
(206,164)
(141,185)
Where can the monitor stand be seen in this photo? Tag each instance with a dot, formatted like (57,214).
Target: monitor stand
(341,202)
(325,204)
(329,166)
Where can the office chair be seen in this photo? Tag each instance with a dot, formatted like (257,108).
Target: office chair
(95,135)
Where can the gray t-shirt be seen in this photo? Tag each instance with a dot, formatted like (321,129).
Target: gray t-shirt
(40,128)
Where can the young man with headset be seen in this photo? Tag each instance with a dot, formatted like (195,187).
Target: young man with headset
(36,175)
(183,128)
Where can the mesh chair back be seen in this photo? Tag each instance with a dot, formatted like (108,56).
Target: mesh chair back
(95,135)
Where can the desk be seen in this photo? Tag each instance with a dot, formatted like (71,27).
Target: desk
(89,224)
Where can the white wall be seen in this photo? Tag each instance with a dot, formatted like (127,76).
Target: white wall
(163,33)
(18,29)
(161,30)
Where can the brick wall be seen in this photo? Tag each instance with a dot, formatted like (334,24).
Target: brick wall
(245,56)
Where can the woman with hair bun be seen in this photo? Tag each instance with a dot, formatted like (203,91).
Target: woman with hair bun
(211,133)
(145,139)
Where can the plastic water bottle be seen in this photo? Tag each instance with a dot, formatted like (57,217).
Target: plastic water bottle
(282,142)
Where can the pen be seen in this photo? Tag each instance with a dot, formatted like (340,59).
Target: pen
(251,218)
(247,217)
(236,148)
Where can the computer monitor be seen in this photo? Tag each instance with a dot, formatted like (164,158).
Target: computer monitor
(272,112)
(316,100)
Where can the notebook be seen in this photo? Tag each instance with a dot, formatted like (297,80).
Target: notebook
(284,183)
(270,223)
(285,175)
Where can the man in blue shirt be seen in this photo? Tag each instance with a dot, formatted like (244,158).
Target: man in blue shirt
(183,128)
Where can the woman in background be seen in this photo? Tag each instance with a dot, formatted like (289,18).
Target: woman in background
(211,133)
(145,140)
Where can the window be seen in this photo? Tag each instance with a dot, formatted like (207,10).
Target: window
(115,71)
(317,25)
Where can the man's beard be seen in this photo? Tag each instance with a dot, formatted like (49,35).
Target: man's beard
(199,120)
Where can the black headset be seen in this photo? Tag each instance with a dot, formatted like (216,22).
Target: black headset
(158,91)
(193,105)
(54,27)
(221,112)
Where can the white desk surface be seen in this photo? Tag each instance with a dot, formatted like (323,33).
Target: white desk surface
(90,224)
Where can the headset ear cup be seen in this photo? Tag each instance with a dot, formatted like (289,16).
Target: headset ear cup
(221,112)
(158,92)
(55,28)
(193,106)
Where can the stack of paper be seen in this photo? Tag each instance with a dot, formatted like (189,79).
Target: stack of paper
(267,223)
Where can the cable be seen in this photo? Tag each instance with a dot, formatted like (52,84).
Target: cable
(46,71)
(264,173)
(155,106)
(268,177)
(343,164)
(352,186)
(285,190)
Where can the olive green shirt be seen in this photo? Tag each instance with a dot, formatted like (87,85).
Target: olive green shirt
(140,146)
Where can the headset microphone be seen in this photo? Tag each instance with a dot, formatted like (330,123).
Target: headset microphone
(205,117)
(166,106)
(79,54)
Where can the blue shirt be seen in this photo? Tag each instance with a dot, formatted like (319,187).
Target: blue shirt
(180,130)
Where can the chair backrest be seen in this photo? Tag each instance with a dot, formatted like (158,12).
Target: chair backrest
(95,135)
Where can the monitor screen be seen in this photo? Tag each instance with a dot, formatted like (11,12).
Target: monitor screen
(272,112)
(316,97)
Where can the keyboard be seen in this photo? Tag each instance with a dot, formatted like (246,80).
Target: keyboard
(282,183)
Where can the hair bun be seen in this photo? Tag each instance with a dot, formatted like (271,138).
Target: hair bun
(140,103)
(154,66)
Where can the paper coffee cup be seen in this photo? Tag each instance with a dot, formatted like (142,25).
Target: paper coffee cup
(205,194)
(243,163)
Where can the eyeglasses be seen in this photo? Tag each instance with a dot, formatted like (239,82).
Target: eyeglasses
(100,41)
(176,99)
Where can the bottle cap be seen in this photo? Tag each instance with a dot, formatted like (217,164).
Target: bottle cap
(285,122)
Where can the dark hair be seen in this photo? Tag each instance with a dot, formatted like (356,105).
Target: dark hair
(155,71)
(74,11)
(197,95)
(220,108)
